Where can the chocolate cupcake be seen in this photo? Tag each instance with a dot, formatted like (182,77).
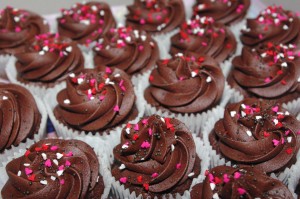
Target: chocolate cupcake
(131,50)
(204,36)
(55,169)
(274,24)
(47,61)
(228,12)
(96,101)
(258,133)
(156,157)
(20,117)
(240,182)
(269,72)
(18,27)
(185,85)
(86,22)
(155,16)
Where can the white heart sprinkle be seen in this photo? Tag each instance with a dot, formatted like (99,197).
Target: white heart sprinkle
(191,174)
(208,79)
(44,182)
(41,53)
(232,113)
(284,64)
(69,49)
(102,13)
(67,101)
(216,196)
(143,37)
(59,173)
(59,155)
(122,167)
(285,27)
(289,139)
(249,133)
(44,156)
(212,186)
(19,173)
(172,147)
(55,161)
(53,178)
(4,98)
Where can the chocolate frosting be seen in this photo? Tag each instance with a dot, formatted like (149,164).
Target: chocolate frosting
(18,27)
(86,22)
(269,72)
(274,24)
(257,132)
(226,12)
(204,36)
(241,182)
(54,169)
(96,100)
(131,50)
(19,118)
(155,16)
(50,58)
(156,156)
(186,84)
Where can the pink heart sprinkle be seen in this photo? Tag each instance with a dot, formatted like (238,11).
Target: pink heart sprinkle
(211,178)
(69,154)
(48,163)
(150,132)
(275,109)
(136,127)
(61,167)
(108,70)
(178,166)
(116,108)
(225,178)
(68,163)
(154,175)
(123,180)
(101,97)
(145,145)
(241,191)
(275,142)
(54,148)
(28,171)
(298,133)
(62,181)
(267,80)
(237,175)
(145,121)
(287,132)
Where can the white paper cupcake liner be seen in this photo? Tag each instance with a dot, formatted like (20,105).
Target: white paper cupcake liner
(96,143)
(3,62)
(38,136)
(67,132)
(294,179)
(119,191)
(216,159)
(38,89)
(193,121)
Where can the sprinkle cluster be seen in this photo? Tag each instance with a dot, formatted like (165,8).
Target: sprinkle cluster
(202,6)
(51,43)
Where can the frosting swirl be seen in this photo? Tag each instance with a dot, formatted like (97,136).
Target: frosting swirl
(155,16)
(186,84)
(242,182)
(54,169)
(86,22)
(271,72)
(18,27)
(226,12)
(204,36)
(259,133)
(274,24)
(50,58)
(131,50)
(96,100)
(156,156)
(20,117)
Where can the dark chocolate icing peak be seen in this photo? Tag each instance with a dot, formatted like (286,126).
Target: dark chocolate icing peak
(242,182)
(95,100)
(50,58)
(130,50)
(156,154)
(259,133)
(274,24)
(186,84)
(54,169)
(18,27)
(20,118)
(224,11)
(86,22)
(155,16)
(203,35)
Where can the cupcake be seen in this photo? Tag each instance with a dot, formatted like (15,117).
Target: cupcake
(203,35)
(258,133)
(270,72)
(239,182)
(185,85)
(133,51)
(274,24)
(96,101)
(18,27)
(47,61)
(156,157)
(86,22)
(20,116)
(228,12)
(155,16)
(55,169)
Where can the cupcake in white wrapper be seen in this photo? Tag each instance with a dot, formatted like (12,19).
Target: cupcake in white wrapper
(93,90)
(180,88)
(273,127)
(47,150)
(47,62)
(139,133)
